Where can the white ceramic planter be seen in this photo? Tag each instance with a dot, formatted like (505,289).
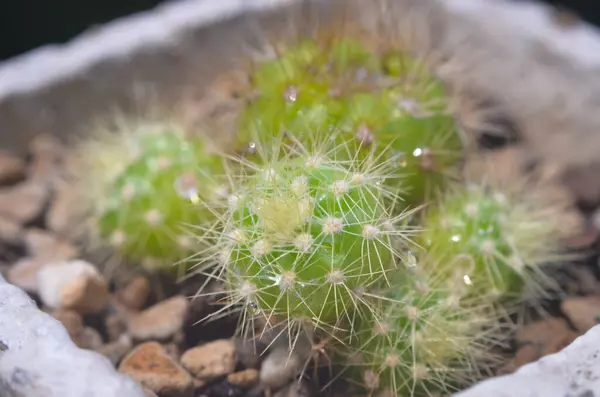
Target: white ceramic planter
(538,71)
(38,358)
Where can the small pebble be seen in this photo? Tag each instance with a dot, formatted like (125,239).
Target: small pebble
(545,334)
(210,360)
(244,379)
(47,153)
(43,244)
(152,367)
(75,285)
(89,339)
(71,320)
(280,367)
(11,231)
(560,343)
(149,393)
(116,325)
(583,312)
(526,354)
(24,202)
(135,294)
(115,351)
(23,273)
(65,214)
(161,321)
(12,168)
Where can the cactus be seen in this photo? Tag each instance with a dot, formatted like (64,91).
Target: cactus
(306,236)
(140,186)
(427,337)
(498,239)
(387,102)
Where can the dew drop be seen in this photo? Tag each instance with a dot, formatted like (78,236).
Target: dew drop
(364,135)
(467,280)
(187,187)
(291,94)
(411,260)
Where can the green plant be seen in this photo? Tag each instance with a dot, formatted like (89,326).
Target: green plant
(306,236)
(427,337)
(496,239)
(140,187)
(383,101)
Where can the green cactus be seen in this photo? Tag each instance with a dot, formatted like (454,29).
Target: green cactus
(427,336)
(141,183)
(497,242)
(306,236)
(384,101)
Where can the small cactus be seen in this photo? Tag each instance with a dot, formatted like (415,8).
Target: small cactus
(306,235)
(384,101)
(426,338)
(498,242)
(140,187)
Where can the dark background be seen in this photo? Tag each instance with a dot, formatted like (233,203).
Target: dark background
(27,24)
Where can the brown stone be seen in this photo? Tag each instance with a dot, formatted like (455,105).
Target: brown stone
(23,273)
(23,202)
(89,339)
(115,351)
(116,325)
(11,231)
(72,322)
(560,343)
(161,321)
(75,285)
(152,367)
(66,214)
(526,354)
(43,244)
(85,294)
(135,294)
(244,379)
(47,152)
(210,360)
(12,168)
(149,393)
(543,333)
(583,312)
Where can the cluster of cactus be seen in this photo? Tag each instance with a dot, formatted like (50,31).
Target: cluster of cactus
(339,214)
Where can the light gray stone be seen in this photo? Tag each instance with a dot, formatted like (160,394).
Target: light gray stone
(38,358)
(573,372)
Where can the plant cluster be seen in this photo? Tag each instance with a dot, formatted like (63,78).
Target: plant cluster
(340,215)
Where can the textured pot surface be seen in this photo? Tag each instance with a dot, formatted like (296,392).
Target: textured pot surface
(573,372)
(38,358)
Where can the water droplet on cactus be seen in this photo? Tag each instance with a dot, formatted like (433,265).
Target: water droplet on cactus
(364,135)
(187,187)
(291,94)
